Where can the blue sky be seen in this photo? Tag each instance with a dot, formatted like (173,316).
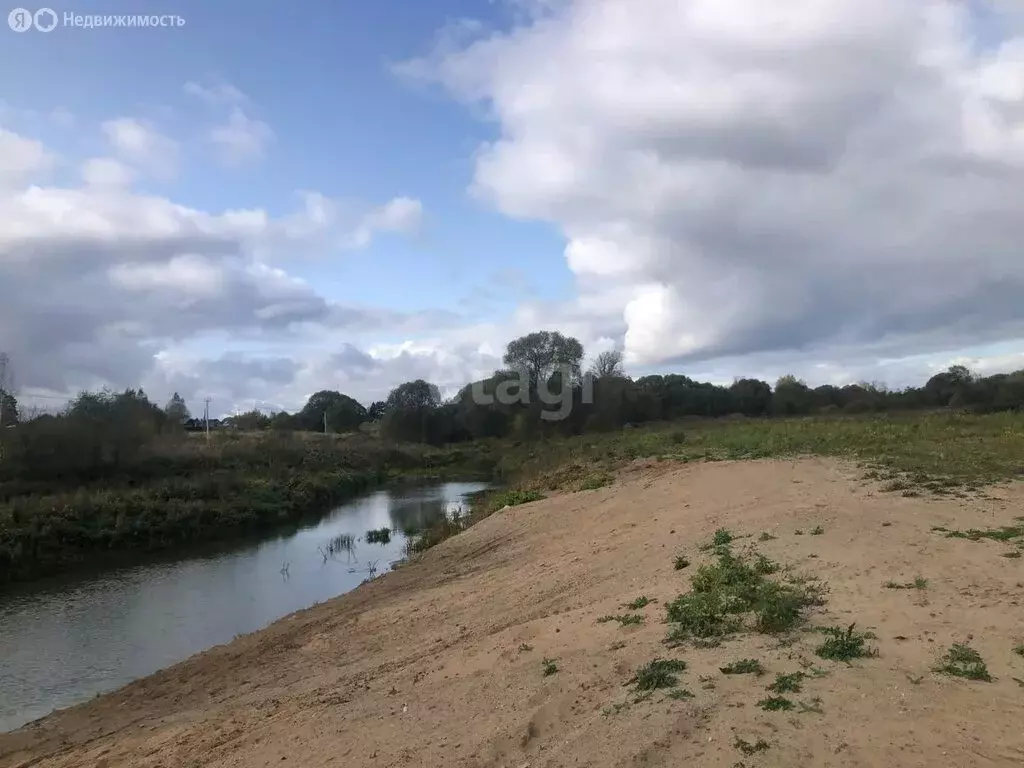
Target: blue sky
(345,125)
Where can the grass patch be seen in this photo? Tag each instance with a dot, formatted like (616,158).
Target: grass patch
(844,645)
(625,620)
(1019,649)
(798,532)
(641,602)
(776,704)
(749,749)
(525,648)
(548,667)
(681,562)
(817,530)
(379,536)
(919,582)
(963,661)
(514,498)
(680,694)
(1003,533)
(791,683)
(595,481)
(743,667)
(765,536)
(725,592)
(1012,554)
(658,673)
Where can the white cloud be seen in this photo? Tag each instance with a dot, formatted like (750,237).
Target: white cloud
(218,94)
(106,172)
(141,144)
(735,177)
(240,139)
(98,280)
(21,159)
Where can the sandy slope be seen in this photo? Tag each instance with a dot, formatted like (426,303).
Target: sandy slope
(423,667)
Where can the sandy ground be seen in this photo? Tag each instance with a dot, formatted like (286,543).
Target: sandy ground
(423,667)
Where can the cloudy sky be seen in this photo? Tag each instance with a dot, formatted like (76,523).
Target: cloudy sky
(257,205)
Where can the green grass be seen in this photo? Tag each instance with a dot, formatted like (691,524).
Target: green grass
(641,602)
(1003,533)
(378,536)
(743,667)
(844,645)
(658,673)
(681,562)
(919,582)
(724,593)
(749,749)
(790,683)
(625,620)
(1019,649)
(963,661)
(765,536)
(548,667)
(817,530)
(776,704)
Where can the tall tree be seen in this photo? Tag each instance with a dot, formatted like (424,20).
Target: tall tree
(608,365)
(414,394)
(342,413)
(176,410)
(541,353)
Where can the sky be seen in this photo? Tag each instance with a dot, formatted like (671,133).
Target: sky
(255,205)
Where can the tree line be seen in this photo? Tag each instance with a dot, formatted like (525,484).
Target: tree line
(543,373)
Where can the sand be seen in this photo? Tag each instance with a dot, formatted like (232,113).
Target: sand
(428,665)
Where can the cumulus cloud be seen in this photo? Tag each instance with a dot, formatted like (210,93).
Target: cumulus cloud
(238,139)
(736,177)
(98,281)
(139,142)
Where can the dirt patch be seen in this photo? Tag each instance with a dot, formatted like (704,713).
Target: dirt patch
(488,651)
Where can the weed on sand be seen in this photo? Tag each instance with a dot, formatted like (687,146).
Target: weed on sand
(963,661)
(844,645)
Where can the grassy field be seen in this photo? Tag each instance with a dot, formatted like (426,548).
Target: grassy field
(944,453)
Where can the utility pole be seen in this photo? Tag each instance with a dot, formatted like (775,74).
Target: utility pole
(325,422)
(206,419)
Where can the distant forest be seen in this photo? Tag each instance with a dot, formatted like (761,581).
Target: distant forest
(543,362)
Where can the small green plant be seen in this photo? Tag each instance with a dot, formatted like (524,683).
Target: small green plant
(658,673)
(679,694)
(595,481)
(765,566)
(743,667)
(548,667)
(798,532)
(765,536)
(918,583)
(378,536)
(790,683)
(617,645)
(1003,533)
(681,562)
(776,704)
(749,749)
(641,602)
(817,530)
(723,537)
(525,648)
(514,498)
(1019,649)
(963,661)
(844,645)
(625,620)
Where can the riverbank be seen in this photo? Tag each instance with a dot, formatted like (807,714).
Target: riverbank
(548,616)
(185,491)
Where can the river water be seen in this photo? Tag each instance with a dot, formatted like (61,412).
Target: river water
(62,643)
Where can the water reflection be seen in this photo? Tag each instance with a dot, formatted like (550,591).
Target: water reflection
(63,643)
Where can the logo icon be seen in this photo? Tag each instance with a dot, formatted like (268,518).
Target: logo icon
(45,19)
(20,20)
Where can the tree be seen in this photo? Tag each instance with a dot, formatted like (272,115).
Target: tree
(343,414)
(792,397)
(751,397)
(414,394)
(376,410)
(542,353)
(176,410)
(608,365)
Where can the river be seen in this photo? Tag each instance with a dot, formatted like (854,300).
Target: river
(62,643)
